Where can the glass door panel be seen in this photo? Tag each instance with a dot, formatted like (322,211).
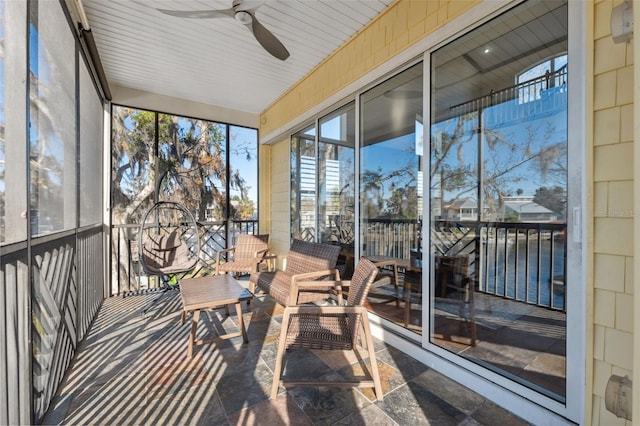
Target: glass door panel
(391,195)
(498,196)
(336,183)
(303,185)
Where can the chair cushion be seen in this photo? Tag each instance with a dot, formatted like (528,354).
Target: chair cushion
(324,332)
(163,242)
(165,260)
(265,279)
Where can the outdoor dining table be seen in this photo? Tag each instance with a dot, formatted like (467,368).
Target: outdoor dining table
(211,292)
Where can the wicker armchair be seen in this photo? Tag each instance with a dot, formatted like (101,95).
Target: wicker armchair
(332,328)
(249,252)
(305,261)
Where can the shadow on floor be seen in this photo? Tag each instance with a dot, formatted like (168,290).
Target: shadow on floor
(132,368)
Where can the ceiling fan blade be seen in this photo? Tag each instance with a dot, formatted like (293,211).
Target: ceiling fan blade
(199,14)
(269,41)
(247,17)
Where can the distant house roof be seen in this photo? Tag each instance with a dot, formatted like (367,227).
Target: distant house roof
(463,203)
(527,207)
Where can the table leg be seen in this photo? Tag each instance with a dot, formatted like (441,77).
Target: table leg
(194,328)
(241,320)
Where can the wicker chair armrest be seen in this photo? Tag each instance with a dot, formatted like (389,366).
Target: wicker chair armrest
(261,253)
(219,252)
(336,284)
(259,260)
(274,257)
(383,278)
(269,260)
(299,278)
(323,283)
(316,274)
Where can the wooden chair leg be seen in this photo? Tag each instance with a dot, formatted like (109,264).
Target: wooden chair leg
(375,375)
(281,348)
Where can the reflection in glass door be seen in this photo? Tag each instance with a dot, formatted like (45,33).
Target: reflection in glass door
(391,195)
(323,184)
(303,185)
(336,183)
(498,196)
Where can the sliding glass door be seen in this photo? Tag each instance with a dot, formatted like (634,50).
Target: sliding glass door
(498,195)
(391,194)
(323,183)
(336,182)
(484,282)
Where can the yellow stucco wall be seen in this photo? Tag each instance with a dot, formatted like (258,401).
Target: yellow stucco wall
(279,195)
(609,169)
(264,202)
(613,210)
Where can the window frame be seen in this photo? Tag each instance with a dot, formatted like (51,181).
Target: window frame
(523,401)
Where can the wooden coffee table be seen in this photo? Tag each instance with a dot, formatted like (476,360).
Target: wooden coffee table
(211,292)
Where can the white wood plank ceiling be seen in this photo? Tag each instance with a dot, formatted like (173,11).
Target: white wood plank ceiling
(218,61)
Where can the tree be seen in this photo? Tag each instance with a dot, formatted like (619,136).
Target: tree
(372,187)
(242,208)
(187,165)
(401,202)
(555,199)
(511,154)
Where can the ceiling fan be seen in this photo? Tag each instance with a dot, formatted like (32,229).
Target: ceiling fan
(245,16)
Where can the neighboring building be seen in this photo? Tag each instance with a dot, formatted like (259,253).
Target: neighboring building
(462,210)
(524,209)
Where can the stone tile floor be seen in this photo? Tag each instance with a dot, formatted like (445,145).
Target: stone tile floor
(132,369)
(526,341)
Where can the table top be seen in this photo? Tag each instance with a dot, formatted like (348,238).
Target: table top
(402,263)
(211,291)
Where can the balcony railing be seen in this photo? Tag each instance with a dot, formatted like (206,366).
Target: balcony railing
(390,237)
(524,262)
(127,274)
(524,100)
(51,290)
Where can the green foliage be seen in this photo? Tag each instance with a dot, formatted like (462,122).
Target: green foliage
(555,199)
(509,158)
(187,165)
